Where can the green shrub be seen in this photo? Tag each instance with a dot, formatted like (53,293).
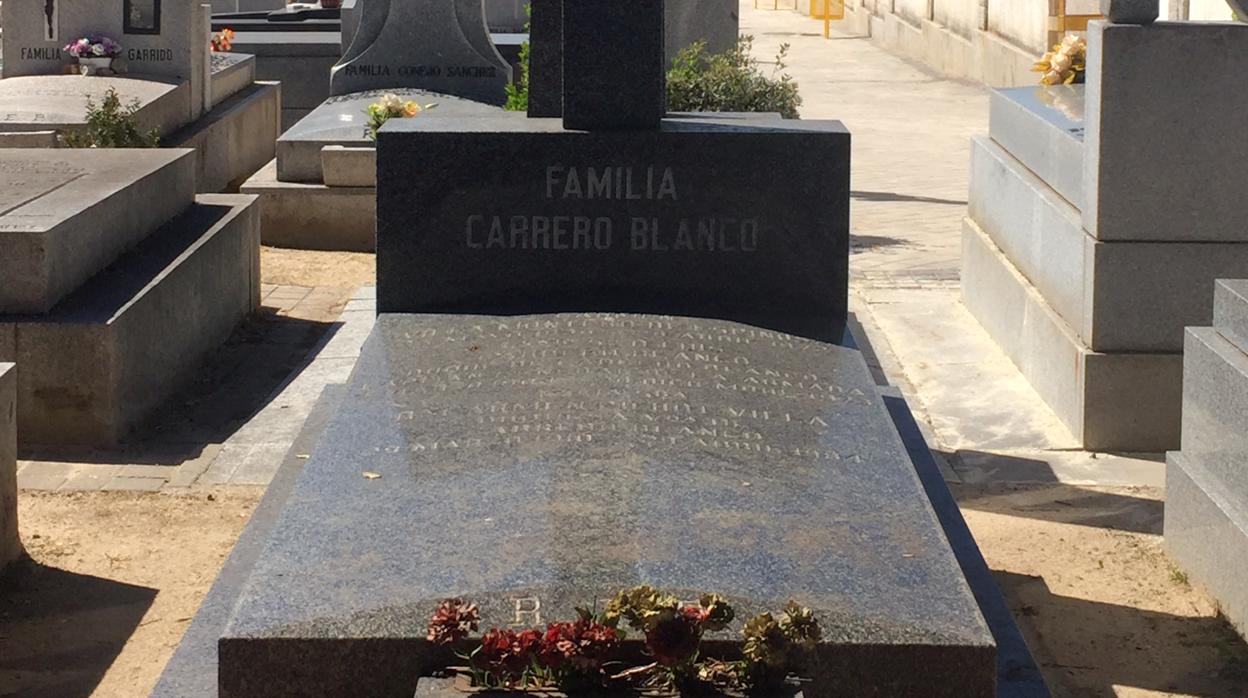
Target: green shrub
(518,90)
(110,125)
(730,81)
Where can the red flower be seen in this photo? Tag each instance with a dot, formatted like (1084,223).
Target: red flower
(506,653)
(674,637)
(582,644)
(452,621)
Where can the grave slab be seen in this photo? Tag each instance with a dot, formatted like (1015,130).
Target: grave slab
(127,338)
(526,216)
(66,214)
(235,139)
(578,454)
(59,102)
(341,121)
(10,543)
(1116,296)
(1043,128)
(442,47)
(1120,401)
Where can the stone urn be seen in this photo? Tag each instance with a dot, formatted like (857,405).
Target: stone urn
(94,65)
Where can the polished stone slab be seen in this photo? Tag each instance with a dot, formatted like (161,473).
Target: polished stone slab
(341,121)
(525,216)
(59,102)
(535,463)
(613,65)
(1042,126)
(65,214)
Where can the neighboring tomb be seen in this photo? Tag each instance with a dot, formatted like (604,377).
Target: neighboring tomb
(194,98)
(118,281)
(1206,483)
(10,543)
(1093,238)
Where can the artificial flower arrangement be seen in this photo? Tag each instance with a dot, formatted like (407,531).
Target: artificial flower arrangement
(586,654)
(1065,64)
(391,107)
(223,40)
(93,46)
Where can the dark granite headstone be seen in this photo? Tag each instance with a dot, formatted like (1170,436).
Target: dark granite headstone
(613,64)
(546,58)
(690,219)
(538,463)
(437,45)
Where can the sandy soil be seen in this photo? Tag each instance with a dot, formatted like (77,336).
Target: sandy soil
(1103,609)
(312,268)
(113,581)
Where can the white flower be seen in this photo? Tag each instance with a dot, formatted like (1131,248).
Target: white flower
(98,49)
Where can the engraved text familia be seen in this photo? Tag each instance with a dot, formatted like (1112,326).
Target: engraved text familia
(598,232)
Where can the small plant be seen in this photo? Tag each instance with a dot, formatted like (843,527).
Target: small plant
(223,40)
(586,655)
(93,46)
(730,81)
(518,90)
(391,106)
(1065,64)
(110,125)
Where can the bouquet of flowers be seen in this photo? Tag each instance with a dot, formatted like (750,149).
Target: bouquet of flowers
(93,46)
(391,107)
(223,40)
(1065,64)
(587,654)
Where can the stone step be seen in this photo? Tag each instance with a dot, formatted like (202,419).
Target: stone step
(1215,406)
(1230,310)
(1043,128)
(108,354)
(1206,532)
(1116,296)
(65,214)
(1109,401)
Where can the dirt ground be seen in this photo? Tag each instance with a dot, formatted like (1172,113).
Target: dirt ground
(1103,609)
(113,581)
(312,268)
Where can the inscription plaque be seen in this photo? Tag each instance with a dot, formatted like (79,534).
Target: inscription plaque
(689,219)
(142,16)
(536,463)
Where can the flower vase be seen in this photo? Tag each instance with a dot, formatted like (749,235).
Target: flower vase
(94,65)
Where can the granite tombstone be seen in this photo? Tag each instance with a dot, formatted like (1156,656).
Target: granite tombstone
(427,44)
(162,38)
(536,462)
(678,215)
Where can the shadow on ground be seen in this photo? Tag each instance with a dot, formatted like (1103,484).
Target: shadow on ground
(264,353)
(1202,656)
(1067,504)
(53,618)
(897,197)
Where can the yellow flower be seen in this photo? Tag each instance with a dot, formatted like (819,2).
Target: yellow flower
(411,109)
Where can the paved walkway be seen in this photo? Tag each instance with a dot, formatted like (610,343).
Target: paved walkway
(911,132)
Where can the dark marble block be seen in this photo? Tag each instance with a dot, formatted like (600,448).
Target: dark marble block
(613,64)
(743,218)
(546,58)
(537,463)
